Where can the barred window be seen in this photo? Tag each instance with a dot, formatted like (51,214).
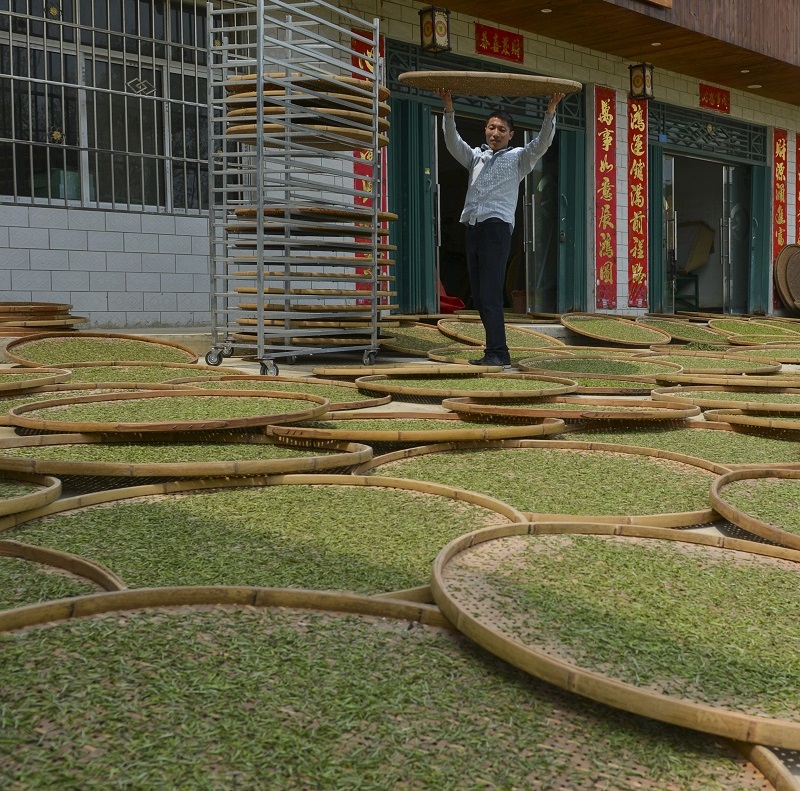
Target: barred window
(103,103)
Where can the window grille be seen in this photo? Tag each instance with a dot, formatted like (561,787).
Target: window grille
(103,104)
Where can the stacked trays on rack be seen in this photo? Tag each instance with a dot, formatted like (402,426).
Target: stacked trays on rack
(300,242)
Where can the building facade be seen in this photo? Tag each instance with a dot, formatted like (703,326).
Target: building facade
(678,202)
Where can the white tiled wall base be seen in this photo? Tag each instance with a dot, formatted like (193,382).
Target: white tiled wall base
(119,269)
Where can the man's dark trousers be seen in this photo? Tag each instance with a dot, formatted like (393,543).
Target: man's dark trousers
(488,245)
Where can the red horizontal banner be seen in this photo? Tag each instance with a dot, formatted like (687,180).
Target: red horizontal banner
(499,43)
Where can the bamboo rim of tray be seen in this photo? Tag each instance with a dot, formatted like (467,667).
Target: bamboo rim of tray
(530,366)
(722,320)
(389,369)
(742,381)
(65,321)
(19,306)
(66,561)
(280,101)
(52,376)
(492,504)
(145,339)
(415,609)
(660,520)
(395,344)
(49,492)
(346,454)
(301,342)
(378,384)
(451,354)
(764,366)
(759,341)
(196,596)
(545,428)
(334,212)
(675,329)
(678,394)
(489,83)
(307,243)
(343,137)
(346,84)
(742,418)
(779,274)
(334,406)
(741,518)
(275,226)
(568,321)
(446,328)
(597,686)
(300,115)
(318,406)
(77,386)
(666,410)
(609,390)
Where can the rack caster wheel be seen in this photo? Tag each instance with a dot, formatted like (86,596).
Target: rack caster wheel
(227,351)
(269,369)
(369,358)
(213,357)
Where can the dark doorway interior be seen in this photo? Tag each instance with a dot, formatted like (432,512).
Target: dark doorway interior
(452,191)
(542,263)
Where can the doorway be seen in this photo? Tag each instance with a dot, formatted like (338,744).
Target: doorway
(707,235)
(532,269)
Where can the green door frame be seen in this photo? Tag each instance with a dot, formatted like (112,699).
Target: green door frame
(572,275)
(411,197)
(657,266)
(758,299)
(760,296)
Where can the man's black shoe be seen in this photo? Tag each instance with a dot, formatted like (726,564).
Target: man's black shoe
(491,359)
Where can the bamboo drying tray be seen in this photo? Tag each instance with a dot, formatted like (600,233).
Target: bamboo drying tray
(416,340)
(738,517)
(348,390)
(683,330)
(471,332)
(625,368)
(334,456)
(18,381)
(143,372)
(374,482)
(741,381)
(611,385)
(655,519)
(15,349)
(777,352)
(456,590)
(407,387)
(389,369)
(733,327)
(48,490)
(787,254)
(740,417)
(707,400)
(450,430)
(461,355)
(488,83)
(19,416)
(74,564)
(578,408)
(613,329)
(570,736)
(692,363)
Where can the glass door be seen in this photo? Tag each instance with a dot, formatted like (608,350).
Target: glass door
(669,233)
(735,236)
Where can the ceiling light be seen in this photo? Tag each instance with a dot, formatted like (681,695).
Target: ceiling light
(745,71)
(547,10)
(756,85)
(655,43)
